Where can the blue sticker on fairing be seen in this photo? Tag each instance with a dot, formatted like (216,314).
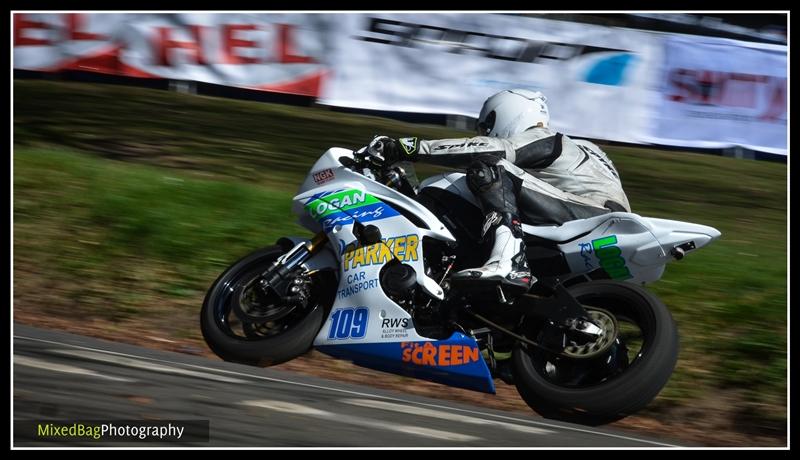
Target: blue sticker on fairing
(368,213)
(455,361)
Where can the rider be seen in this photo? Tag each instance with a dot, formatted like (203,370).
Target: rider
(521,171)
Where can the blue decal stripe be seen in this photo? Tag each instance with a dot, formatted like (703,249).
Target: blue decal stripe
(455,361)
(368,213)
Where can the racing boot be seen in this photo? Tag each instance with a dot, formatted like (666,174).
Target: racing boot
(508,263)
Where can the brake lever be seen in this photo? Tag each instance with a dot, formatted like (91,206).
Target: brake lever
(348,162)
(359,160)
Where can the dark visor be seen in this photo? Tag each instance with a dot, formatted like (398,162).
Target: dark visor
(485,127)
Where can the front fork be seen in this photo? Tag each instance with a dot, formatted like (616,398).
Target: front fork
(277,275)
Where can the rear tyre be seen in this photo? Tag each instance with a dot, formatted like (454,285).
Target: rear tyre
(618,383)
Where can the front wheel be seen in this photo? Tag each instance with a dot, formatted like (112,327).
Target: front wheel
(242,324)
(623,379)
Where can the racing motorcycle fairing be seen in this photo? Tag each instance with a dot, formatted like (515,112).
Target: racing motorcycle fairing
(365,325)
(626,246)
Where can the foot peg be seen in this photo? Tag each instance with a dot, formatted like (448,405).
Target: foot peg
(501,297)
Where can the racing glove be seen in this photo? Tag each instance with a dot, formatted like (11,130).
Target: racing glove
(392,150)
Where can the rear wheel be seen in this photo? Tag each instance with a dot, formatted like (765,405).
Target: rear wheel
(240,323)
(601,382)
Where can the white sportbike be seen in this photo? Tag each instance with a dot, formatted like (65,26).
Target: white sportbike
(587,343)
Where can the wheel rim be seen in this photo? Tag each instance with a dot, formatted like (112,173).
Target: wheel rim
(252,305)
(276,318)
(610,326)
(634,332)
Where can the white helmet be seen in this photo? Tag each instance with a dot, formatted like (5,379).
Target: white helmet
(512,111)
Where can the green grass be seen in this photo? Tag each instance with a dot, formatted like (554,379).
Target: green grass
(216,137)
(215,178)
(117,210)
(729,299)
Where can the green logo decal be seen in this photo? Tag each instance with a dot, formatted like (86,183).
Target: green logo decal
(337,202)
(610,257)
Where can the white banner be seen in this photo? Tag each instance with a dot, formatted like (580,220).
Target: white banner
(718,93)
(601,82)
(597,79)
(270,52)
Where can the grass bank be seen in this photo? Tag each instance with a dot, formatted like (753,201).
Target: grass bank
(128,202)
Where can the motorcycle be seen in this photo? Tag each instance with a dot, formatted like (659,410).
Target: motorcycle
(587,343)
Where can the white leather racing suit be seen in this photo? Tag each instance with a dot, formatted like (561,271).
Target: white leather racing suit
(542,176)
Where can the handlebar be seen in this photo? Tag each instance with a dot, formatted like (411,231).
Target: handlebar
(393,176)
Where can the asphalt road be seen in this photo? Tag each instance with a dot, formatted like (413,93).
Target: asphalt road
(66,377)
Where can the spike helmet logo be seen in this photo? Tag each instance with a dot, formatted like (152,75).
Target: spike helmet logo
(409,144)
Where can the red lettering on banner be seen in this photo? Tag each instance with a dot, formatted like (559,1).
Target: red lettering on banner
(740,90)
(777,103)
(286,52)
(229,43)
(21,25)
(680,85)
(164,43)
(728,89)
(75,22)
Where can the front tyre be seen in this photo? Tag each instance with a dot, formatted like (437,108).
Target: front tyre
(611,386)
(284,331)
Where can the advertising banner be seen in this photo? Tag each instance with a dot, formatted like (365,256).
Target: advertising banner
(720,93)
(600,82)
(270,52)
(597,79)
